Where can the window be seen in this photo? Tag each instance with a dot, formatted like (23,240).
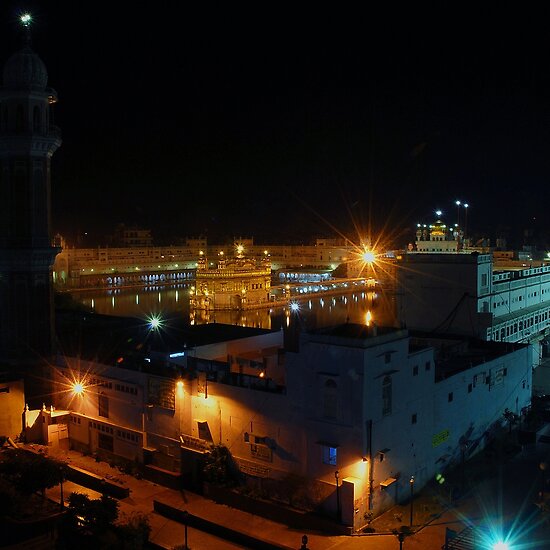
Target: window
(105,442)
(387,357)
(413,419)
(428,365)
(386,395)
(415,370)
(36,119)
(330,454)
(19,119)
(469,388)
(450,397)
(103,405)
(330,399)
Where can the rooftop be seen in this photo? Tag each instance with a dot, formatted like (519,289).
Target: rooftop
(455,354)
(355,335)
(106,339)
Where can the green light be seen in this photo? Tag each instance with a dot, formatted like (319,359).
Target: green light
(26,19)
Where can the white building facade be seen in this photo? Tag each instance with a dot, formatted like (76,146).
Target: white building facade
(353,414)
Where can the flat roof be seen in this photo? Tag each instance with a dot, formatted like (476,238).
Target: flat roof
(355,335)
(456,353)
(105,338)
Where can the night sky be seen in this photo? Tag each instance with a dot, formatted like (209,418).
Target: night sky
(281,123)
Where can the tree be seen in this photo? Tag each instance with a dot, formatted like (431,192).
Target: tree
(10,499)
(511,418)
(134,532)
(30,472)
(93,515)
(219,468)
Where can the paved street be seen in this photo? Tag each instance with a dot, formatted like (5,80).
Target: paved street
(503,498)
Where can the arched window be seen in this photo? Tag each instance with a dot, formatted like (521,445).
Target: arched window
(386,395)
(36,118)
(330,399)
(19,119)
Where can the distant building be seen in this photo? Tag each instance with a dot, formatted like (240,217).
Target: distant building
(235,282)
(491,296)
(107,267)
(132,236)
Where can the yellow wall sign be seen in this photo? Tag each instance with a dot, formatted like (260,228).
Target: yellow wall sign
(439,438)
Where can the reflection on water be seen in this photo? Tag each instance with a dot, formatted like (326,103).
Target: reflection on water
(314,311)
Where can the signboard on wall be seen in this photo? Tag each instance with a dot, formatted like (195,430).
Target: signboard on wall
(439,438)
(252,469)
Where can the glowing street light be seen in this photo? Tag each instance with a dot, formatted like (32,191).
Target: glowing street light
(368,317)
(438,213)
(78,388)
(500,545)
(458,203)
(155,322)
(26,19)
(411,483)
(368,256)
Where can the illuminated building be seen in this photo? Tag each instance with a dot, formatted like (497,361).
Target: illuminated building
(353,398)
(237,282)
(106,267)
(467,294)
(28,139)
(438,237)
(471,293)
(12,403)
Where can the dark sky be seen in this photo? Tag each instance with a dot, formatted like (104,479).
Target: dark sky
(278,122)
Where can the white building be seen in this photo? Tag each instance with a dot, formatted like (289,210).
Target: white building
(356,406)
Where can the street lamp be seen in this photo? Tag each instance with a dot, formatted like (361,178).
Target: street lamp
(411,483)
(338,511)
(466,205)
(542,467)
(457,213)
(61,499)
(401,538)
(185,515)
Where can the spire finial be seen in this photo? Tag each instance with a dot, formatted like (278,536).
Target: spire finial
(26,21)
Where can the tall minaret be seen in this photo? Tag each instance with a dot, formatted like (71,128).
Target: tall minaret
(27,142)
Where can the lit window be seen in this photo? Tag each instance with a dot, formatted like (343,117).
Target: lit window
(330,454)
